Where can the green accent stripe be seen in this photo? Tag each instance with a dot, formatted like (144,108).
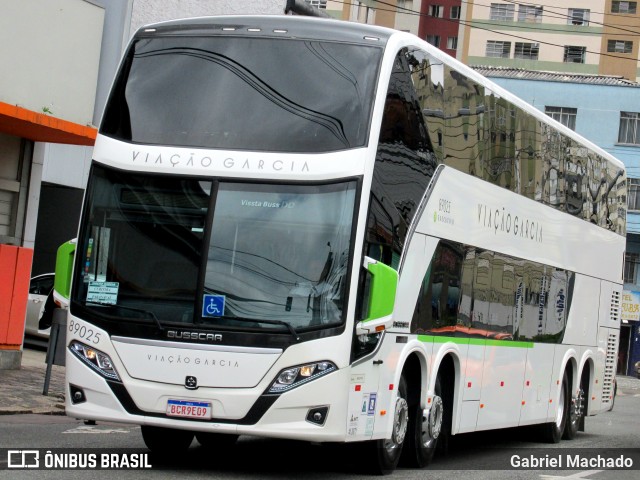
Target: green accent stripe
(489,342)
(64,266)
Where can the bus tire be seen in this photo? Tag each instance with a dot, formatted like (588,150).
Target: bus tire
(382,456)
(218,441)
(576,413)
(426,427)
(165,440)
(552,432)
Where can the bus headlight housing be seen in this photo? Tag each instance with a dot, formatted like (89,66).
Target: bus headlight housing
(295,376)
(95,359)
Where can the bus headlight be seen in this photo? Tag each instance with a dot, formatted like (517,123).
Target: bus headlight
(97,360)
(295,376)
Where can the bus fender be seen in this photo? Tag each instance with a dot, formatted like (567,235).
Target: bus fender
(392,377)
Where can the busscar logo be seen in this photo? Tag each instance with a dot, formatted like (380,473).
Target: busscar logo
(201,336)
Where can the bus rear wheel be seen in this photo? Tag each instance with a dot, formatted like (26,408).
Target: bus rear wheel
(578,409)
(552,432)
(426,426)
(165,440)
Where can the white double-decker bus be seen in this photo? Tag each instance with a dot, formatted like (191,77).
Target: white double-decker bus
(310,229)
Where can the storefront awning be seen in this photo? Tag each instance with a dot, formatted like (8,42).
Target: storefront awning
(40,127)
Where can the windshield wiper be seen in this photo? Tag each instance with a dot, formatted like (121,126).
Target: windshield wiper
(269,322)
(132,309)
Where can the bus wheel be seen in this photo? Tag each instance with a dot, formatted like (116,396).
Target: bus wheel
(165,440)
(552,432)
(216,440)
(382,456)
(576,412)
(425,427)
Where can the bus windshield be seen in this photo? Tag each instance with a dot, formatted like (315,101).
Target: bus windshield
(280,252)
(260,94)
(177,250)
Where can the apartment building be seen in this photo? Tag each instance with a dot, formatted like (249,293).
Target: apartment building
(590,36)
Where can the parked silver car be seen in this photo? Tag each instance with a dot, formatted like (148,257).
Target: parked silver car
(40,287)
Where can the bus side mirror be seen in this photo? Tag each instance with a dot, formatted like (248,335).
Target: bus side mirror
(64,269)
(382,297)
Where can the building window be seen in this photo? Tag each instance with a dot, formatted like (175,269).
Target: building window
(529,13)
(619,46)
(455,13)
(526,51)
(436,11)
(633,193)
(578,16)
(452,43)
(564,115)
(631,262)
(317,3)
(573,54)
(434,40)
(628,132)
(502,12)
(623,7)
(498,49)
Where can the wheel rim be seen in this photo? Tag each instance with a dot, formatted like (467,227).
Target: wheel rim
(432,422)
(576,411)
(561,403)
(400,425)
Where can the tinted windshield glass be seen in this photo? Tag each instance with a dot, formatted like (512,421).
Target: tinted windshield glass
(276,252)
(280,252)
(244,94)
(141,246)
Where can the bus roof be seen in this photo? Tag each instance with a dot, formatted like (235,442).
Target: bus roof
(285,26)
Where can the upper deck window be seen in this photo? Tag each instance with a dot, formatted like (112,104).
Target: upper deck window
(260,94)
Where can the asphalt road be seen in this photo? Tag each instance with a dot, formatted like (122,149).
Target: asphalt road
(482,455)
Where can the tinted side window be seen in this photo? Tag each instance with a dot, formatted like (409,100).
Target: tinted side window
(404,163)
(438,303)
(469,292)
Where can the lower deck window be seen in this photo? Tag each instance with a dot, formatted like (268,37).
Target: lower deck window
(470,292)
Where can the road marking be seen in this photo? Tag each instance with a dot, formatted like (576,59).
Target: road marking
(575,475)
(94,430)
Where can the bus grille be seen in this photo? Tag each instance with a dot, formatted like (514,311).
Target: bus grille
(609,368)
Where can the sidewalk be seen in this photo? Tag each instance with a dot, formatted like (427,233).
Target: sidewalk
(21,390)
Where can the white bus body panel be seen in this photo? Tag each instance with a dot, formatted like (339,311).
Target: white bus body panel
(220,367)
(227,163)
(492,217)
(537,384)
(582,321)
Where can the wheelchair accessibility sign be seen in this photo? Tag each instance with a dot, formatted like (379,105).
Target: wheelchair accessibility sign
(213,305)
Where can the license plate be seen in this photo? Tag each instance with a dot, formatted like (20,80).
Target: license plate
(188,409)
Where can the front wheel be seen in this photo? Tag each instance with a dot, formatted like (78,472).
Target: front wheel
(382,456)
